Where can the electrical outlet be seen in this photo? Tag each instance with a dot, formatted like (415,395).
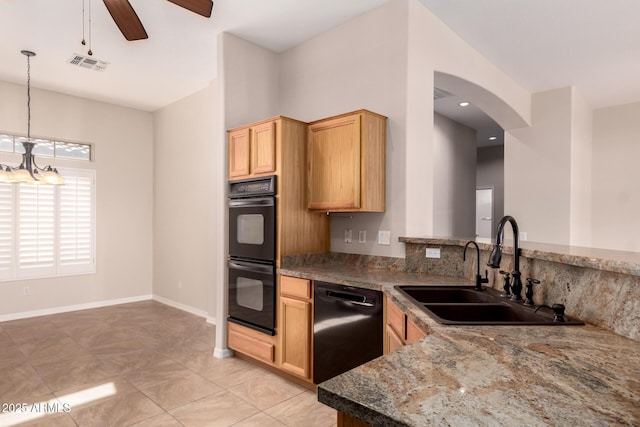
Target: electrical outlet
(384,237)
(362,236)
(432,253)
(26,291)
(523,235)
(348,233)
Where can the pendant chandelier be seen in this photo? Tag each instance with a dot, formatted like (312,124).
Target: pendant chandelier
(29,171)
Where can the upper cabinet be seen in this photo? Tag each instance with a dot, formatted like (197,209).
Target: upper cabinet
(252,150)
(277,146)
(346,158)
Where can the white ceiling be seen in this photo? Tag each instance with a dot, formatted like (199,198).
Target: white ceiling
(543,44)
(178,59)
(593,45)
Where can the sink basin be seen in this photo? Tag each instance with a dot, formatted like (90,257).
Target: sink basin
(485,314)
(458,305)
(446,294)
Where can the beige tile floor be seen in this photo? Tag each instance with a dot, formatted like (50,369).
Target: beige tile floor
(143,364)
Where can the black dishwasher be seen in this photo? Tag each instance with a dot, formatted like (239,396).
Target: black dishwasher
(347,329)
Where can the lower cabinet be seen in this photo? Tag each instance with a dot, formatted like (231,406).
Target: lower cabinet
(255,344)
(345,420)
(291,349)
(399,330)
(295,326)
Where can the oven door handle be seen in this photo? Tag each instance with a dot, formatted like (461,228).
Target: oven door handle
(253,202)
(354,299)
(256,268)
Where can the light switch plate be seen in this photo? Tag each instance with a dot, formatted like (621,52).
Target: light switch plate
(362,236)
(384,237)
(432,253)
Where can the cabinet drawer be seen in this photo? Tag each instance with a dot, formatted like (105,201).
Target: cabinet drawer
(250,345)
(294,287)
(396,319)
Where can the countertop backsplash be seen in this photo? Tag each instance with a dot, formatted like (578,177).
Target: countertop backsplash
(594,294)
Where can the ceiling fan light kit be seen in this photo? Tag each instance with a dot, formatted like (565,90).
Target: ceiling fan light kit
(29,171)
(130,25)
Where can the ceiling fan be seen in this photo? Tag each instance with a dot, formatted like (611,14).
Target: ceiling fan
(127,20)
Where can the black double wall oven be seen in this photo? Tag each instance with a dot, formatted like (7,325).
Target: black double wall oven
(252,248)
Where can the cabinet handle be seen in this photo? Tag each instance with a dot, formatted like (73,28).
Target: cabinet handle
(354,299)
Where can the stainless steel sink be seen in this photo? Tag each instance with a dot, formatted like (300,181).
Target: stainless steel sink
(457,305)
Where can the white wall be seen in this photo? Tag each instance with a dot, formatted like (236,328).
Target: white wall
(580,221)
(537,170)
(123,139)
(360,64)
(434,48)
(454,153)
(250,82)
(385,61)
(184,176)
(616,195)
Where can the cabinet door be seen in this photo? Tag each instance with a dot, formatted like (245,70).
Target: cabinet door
(239,153)
(413,333)
(334,163)
(295,330)
(396,319)
(263,148)
(392,341)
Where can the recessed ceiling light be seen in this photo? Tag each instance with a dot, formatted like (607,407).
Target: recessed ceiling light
(493,138)
(463,104)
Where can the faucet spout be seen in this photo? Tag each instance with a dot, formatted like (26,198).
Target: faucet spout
(479,279)
(496,254)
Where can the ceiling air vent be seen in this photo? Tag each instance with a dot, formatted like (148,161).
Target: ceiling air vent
(439,93)
(87,62)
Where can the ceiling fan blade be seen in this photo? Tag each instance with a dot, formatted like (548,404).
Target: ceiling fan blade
(126,19)
(201,7)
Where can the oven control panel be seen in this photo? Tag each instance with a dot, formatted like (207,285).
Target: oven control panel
(253,187)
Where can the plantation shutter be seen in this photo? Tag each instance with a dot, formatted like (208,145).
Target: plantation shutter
(6,231)
(36,230)
(76,230)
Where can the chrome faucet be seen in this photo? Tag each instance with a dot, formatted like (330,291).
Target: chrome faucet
(479,279)
(496,255)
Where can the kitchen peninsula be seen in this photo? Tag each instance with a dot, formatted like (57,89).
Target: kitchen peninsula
(496,375)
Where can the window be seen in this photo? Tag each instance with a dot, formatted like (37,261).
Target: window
(47,148)
(48,230)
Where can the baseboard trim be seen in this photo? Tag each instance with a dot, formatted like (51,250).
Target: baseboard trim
(75,307)
(106,303)
(184,307)
(222,353)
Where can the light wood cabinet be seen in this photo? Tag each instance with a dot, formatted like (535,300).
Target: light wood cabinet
(255,344)
(345,420)
(277,146)
(295,326)
(252,150)
(399,329)
(239,153)
(263,148)
(346,159)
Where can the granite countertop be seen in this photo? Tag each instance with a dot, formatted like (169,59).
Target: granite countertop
(489,375)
